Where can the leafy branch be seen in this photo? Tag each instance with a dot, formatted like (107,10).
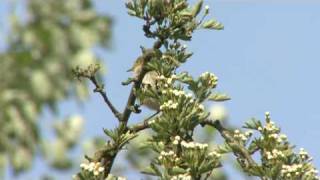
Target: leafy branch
(90,73)
(178,97)
(108,153)
(237,148)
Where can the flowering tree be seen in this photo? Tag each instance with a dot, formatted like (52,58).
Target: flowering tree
(177,99)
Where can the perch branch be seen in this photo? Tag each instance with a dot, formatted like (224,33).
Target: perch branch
(99,89)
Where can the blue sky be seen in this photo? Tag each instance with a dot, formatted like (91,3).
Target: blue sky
(267,59)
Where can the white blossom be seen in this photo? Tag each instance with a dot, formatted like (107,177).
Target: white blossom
(95,167)
(194,145)
(207,8)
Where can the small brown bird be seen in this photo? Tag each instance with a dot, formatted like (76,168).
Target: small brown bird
(149,80)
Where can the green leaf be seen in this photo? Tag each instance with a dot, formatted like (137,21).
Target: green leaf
(219,97)
(129,5)
(128,81)
(185,78)
(156,170)
(224,148)
(197,8)
(180,6)
(110,133)
(212,24)
(132,12)
(253,124)
(149,170)
(186,14)
(253,146)
(178,170)
(125,138)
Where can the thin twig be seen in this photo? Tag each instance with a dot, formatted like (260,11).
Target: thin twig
(143,125)
(99,88)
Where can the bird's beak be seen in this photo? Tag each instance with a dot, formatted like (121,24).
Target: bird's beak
(129,70)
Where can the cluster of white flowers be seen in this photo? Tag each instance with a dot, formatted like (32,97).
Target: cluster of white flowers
(194,145)
(200,107)
(269,127)
(279,138)
(214,154)
(210,79)
(161,77)
(112,177)
(169,105)
(175,96)
(177,93)
(95,167)
(272,131)
(152,121)
(291,170)
(303,154)
(182,177)
(170,155)
(173,76)
(297,170)
(161,143)
(313,173)
(242,136)
(274,154)
(176,140)
(167,81)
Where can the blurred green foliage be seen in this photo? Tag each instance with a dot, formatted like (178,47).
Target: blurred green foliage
(45,42)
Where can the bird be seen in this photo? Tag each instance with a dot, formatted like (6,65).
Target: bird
(149,81)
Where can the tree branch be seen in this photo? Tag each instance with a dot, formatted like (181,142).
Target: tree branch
(99,88)
(137,83)
(143,125)
(237,148)
(132,97)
